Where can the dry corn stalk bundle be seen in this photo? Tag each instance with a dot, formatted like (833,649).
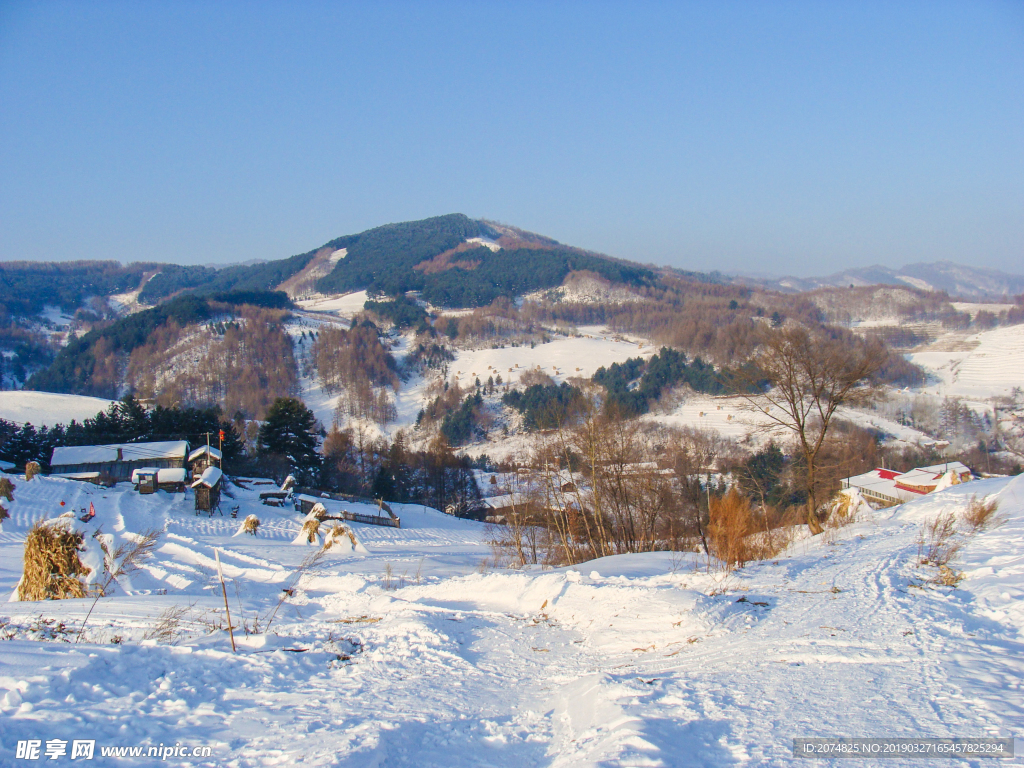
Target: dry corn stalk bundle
(6,488)
(251,524)
(337,535)
(311,530)
(310,533)
(52,564)
(32,469)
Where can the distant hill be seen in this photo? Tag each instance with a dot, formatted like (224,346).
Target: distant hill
(958,280)
(453,260)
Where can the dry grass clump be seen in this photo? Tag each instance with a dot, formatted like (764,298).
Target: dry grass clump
(938,542)
(941,539)
(168,626)
(32,469)
(948,577)
(843,511)
(981,515)
(735,534)
(52,565)
(251,524)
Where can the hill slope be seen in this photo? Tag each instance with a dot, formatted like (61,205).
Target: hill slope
(408,654)
(957,280)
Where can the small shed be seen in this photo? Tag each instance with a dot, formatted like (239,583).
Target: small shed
(207,489)
(152,479)
(202,458)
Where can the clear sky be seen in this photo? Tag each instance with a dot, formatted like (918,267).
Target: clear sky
(776,137)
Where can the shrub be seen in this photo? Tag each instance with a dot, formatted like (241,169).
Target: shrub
(939,543)
(734,536)
(981,515)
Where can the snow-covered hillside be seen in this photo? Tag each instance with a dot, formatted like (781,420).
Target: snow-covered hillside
(48,408)
(979,365)
(413,654)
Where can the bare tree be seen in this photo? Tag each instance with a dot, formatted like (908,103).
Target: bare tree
(693,453)
(808,377)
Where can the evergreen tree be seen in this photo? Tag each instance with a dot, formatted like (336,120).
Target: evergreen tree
(289,437)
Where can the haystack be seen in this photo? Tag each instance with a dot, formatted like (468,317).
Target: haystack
(32,469)
(251,524)
(340,538)
(52,562)
(310,533)
(7,488)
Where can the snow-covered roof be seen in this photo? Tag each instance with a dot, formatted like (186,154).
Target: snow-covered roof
(5,466)
(949,466)
(919,478)
(101,454)
(880,483)
(214,452)
(504,501)
(210,477)
(163,475)
(897,487)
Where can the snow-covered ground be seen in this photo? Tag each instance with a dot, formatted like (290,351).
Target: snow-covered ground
(343,306)
(412,654)
(730,417)
(980,365)
(562,358)
(48,408)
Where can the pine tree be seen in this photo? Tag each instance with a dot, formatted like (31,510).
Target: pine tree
(290,434)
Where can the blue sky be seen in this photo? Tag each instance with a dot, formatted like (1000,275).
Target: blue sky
(775,137)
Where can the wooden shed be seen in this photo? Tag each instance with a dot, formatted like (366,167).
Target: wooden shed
(152,479)
(207,490)
(203,458)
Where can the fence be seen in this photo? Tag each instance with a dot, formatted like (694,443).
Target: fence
(306,499)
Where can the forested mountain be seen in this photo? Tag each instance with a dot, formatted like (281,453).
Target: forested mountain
(91,364)
(433,256)
(205,281)
(26,287)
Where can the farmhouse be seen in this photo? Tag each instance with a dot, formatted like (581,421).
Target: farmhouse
(888,487)
(116,462)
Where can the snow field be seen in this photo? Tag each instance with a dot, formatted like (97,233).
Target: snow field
(343,306)
(646,659)
(983,365)
(48,408)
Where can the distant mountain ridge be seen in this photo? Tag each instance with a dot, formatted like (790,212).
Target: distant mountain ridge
(958,280)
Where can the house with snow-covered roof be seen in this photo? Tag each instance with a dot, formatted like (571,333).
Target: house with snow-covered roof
(117,461)
(889,487)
